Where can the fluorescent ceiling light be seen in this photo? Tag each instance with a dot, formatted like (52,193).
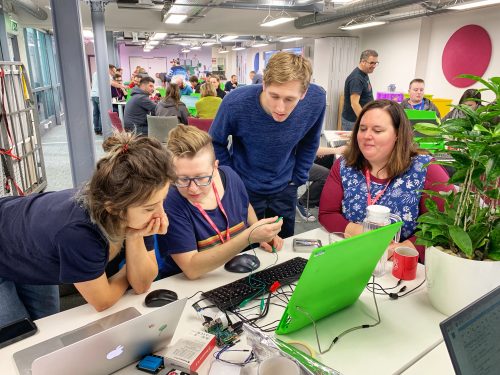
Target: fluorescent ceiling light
(260,44)
(88,34)
(292,39)
(227,38)
(153,42)
(276,21)
(184,43)
(222,50)
(175,18)
(355,26)
(185,50)
(238,48)
(196,47)
(158,36)
(473,4)
(206,44)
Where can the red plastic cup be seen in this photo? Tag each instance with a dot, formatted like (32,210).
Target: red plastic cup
(405,262)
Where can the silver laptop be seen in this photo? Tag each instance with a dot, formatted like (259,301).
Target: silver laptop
(90,351)
(472,336)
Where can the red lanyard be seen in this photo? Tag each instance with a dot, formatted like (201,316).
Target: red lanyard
(368,183)
(210,221)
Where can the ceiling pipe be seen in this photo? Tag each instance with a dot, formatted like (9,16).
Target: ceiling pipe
(347,12)
(31,8)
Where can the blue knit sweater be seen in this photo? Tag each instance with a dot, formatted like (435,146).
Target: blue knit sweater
(265,153)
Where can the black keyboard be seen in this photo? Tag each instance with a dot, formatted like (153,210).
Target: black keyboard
(231,295)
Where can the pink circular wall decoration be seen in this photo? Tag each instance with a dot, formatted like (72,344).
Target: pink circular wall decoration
(468,51)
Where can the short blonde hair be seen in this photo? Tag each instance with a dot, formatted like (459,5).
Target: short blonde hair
(285,67)
(187,141)
(207,90)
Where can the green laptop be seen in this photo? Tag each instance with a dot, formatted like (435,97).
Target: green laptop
(334,277)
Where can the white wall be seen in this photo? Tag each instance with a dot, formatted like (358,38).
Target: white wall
(398,46)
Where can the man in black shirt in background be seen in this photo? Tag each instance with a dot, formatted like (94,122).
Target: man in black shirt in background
(358,89)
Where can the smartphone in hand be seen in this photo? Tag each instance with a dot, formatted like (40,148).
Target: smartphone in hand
(17,331)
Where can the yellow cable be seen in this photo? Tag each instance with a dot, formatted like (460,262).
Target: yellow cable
(25,86)
(302,346)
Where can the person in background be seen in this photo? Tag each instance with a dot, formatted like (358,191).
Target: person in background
(118,92)
(139,106)
(183,86)
(232,84)
(94,94)
(255,78)
(136,79)
(381,166)
(209,103)
(162,78)
(171,105)
(215,81)
(417,100)
(275,129)
(325,156)
(358,89)
(211,219)
(470,98)
(195,84)
(70,236)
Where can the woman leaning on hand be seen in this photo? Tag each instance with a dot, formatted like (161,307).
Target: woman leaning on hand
(380,167)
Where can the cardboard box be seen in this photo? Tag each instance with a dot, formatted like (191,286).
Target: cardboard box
(190,351)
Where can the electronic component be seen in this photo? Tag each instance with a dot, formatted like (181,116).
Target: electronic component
(151,363)
(224,334)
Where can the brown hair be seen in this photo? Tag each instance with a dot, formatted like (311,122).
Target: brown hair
(404,148)
(207,90)
(187,141)
(285,67)
(471,94)
(193,79)
(132,169)
(366,54)
(416,80)
(173,92)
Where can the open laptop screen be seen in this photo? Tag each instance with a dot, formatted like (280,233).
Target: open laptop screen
(472,336)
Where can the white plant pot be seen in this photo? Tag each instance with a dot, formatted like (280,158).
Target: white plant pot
(454,282)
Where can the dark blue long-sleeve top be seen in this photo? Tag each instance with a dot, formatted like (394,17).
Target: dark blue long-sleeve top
(268,154)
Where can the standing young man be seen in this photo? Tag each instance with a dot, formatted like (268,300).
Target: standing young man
(358,89)
(275,129)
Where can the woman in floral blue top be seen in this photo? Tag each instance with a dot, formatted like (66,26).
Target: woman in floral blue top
(382,167)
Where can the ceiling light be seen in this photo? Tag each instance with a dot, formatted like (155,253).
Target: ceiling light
(158,36)
(206,44)
(175,18)
(238,48)
(227,38)
(473,4)
(291,39)
(355,26)
(195,47)
(260,44)
(222,50)
(182,43)
(88,34)
(185,50)
(153,42)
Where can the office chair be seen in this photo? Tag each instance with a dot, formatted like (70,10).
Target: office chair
(201,123)
(115,121)
(159,126)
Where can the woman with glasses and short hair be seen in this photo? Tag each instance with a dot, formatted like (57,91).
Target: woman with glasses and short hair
(210,217)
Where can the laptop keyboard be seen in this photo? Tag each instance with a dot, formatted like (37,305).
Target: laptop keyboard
(231,295)
(337,143)
(442,156)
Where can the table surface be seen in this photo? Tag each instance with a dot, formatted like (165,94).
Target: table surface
(409,326)
(437,361)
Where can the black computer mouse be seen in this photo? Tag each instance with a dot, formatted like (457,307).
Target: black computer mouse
(160,297)
(242,263)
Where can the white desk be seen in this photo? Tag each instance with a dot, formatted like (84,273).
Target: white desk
(121,105)
(409,325)
(437,361)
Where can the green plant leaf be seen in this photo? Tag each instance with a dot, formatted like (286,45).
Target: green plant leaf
(431,205)
(458,177)
(461,239)
(427,129)
(494,251)
(456,144)
(479,79)
(477,233)
(461,158)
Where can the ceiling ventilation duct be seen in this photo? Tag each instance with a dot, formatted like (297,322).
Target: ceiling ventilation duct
(347,12)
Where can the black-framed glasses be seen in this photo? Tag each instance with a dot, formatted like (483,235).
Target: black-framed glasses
(184,182)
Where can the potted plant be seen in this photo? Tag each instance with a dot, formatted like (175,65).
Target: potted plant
(463,242)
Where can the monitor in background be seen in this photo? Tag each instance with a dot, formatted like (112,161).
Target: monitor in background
(472,336)
(424,141)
